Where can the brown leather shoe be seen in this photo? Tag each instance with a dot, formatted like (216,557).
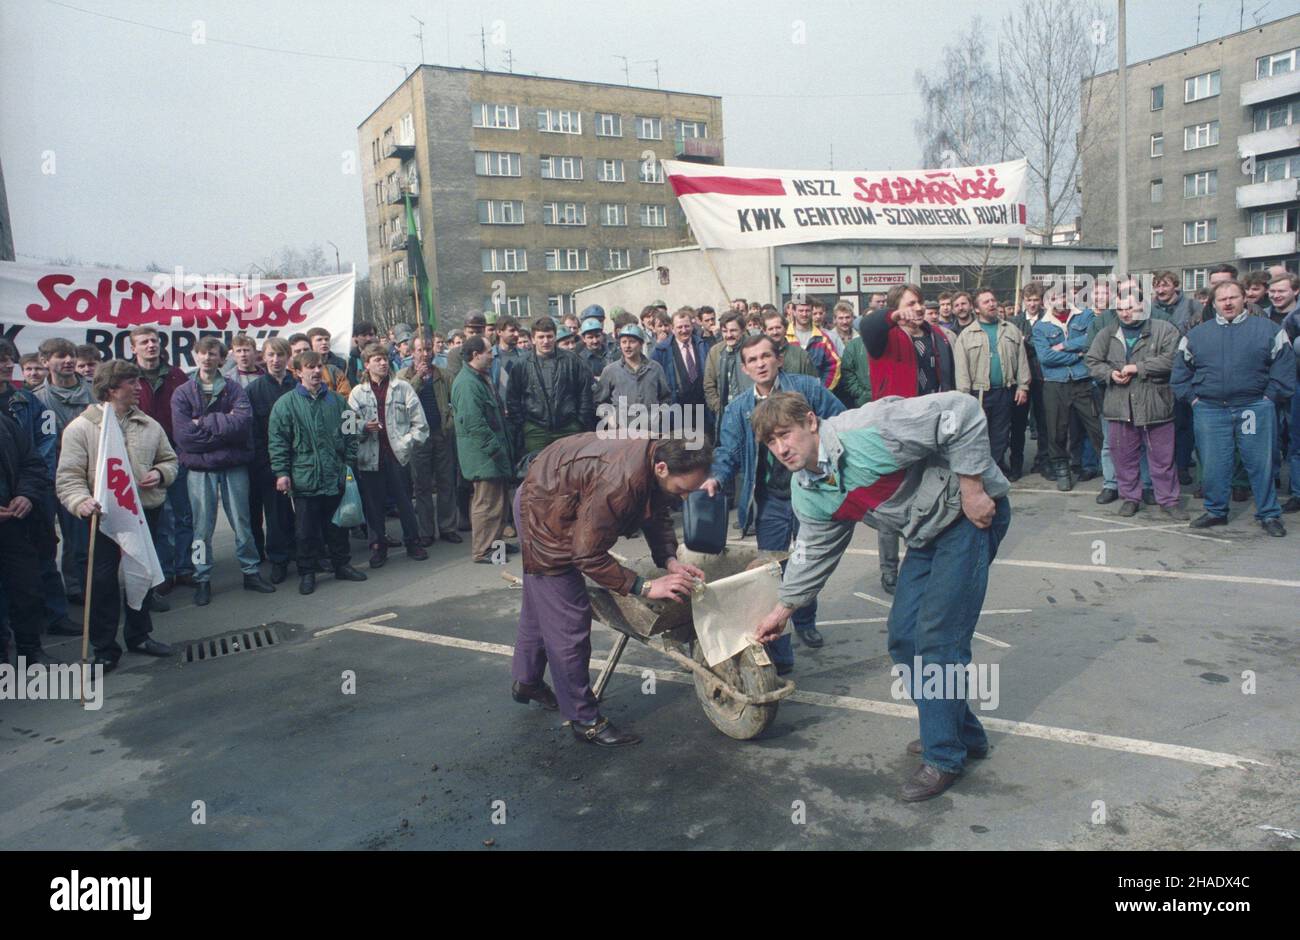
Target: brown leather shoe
(927,783)
(915,747)
(540,693)
(604,734)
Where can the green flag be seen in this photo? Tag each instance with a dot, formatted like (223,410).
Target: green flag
(415,264)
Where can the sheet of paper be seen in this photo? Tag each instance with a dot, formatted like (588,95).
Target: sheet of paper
(726,611)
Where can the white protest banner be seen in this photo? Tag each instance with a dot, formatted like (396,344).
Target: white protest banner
(100,306)
(122,514)
(739,207)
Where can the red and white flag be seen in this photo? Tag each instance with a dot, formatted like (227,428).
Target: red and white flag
(122,514)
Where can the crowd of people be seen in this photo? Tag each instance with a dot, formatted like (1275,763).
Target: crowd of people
(1128,379)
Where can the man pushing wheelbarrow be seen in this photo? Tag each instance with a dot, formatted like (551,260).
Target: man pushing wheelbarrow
(582,494)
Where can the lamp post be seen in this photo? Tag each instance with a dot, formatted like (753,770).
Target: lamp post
(337,268)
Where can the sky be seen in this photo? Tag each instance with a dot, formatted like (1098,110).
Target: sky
(129,144)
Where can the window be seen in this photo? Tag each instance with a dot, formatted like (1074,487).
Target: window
(654,216)
(566,259)
(651,171)
(613,214)
(1201,86)
(557,305)
(564,213)
(406,129)
(649,128)
(1278,168)
(1195,278)
(501,211)
(516,305)
(1279,63)
(495,163)
(1272,221)
(559,122)
(1200,231)
(498,116)
(1157,236)
(689,129)
(618,259)
(1205,183)
(561,168)
(609,125)
(1157,190)
(1201,135)
(505,259)
(1157,145)
(1157,97)
(1278,114)
(374,152)
(609,171)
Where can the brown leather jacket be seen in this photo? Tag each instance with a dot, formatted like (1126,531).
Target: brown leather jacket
(581,494)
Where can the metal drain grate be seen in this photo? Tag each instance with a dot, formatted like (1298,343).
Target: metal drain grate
(245,641)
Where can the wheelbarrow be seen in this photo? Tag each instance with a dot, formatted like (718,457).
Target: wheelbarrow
(739,695)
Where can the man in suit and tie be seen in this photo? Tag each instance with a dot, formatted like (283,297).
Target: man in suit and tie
(683,356)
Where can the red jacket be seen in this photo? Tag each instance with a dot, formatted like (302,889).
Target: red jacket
(892,355)
(158,405)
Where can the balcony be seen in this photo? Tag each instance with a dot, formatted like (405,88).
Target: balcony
(698,150)
(1266,246)
(1262,143)
(395,194)
(397,241)
(1270,89)
(1268,194)
(399,145)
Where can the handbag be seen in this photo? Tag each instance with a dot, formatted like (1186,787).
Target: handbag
(349,515)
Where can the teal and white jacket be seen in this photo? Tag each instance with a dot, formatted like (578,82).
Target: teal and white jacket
(893,464)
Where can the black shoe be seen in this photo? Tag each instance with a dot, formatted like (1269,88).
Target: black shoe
(1129,508)
(889,580)
(1107,495)
(604,733)
(1274,528)
(151,647)
(1086,475)
(157,605)
(378,556)
(1240,494)
(203,594)
(1064,479)
(63,627)
(255,582)
(540,693)
(307,583)
(914,747)
(1185,477)
(811,638)
(451,535)
(415,552)
(1149,496)
(348,573)
(164,589)
(1013,475)
(102,659)
(1207,520)
(483,561)
(512,548)
(1292,504)
(926,783)
(784,669)
(279,571)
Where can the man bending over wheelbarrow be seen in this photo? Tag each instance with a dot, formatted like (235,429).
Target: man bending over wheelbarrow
(580,495)
(920,468)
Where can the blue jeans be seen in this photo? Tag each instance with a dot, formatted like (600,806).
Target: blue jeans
(231,486)
(1222,428)
(941,589)
(1294,450)
(775,527)
(1108,478)
(174,539)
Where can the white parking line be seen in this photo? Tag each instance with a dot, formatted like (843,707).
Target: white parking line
(1188,755)
(887,604)
(1176,528)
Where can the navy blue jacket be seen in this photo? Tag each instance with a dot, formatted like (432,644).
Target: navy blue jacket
(1236,363)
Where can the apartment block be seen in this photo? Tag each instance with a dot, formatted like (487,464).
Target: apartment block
(525,188)
(1213,156)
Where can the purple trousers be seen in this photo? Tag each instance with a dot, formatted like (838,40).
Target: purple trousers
(555,628)
(1126,451)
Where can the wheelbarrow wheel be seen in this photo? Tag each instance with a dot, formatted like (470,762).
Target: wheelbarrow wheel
(746,674)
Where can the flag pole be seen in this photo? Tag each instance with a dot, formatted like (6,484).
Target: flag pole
(415,289)
(717,277)
(85,616)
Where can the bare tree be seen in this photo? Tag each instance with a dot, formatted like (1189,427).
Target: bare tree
(1046,48)
(294,262)
(963,123)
